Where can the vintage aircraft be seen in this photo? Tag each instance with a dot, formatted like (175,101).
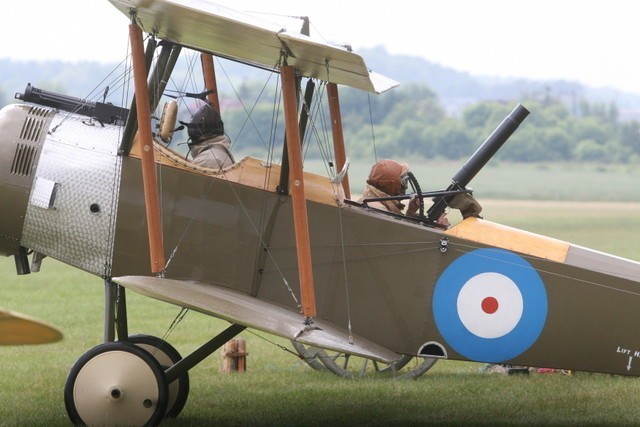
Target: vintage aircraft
(271,247)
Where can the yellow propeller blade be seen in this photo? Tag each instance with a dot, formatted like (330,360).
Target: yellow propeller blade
(19,329)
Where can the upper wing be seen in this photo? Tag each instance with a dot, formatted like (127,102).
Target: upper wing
(232,34)
(243,309)
(18,329)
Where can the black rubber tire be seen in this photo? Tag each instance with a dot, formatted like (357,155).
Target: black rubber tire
(158,348)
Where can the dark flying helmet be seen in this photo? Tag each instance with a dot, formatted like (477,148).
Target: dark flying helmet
(205,123)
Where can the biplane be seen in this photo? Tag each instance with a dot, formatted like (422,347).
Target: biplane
(273,247)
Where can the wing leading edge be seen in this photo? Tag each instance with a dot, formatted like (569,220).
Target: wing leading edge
(254,313)
(209,27)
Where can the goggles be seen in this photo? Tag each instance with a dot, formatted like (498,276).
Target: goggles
(404,182)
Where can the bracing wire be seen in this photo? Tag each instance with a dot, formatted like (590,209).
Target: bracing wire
(326,152)
(344,267)
(248,112)
(288,350)
(176,321)
(373,134)
(325,148)
(94,94)
(256,227)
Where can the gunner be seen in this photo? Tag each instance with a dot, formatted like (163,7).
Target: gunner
(390,178)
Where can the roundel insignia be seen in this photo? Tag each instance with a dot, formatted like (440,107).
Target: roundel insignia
(490,305)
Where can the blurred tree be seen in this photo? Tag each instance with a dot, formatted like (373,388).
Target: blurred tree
(590,150)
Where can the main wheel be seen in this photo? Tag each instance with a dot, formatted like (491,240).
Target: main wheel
(166,355)
(348,366)
(116,383)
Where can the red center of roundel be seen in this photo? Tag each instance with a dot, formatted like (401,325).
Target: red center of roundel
(489,305)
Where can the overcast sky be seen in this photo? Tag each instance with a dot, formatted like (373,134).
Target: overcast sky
(590,41)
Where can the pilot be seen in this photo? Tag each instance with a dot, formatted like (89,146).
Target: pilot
(389,178)
(208,144)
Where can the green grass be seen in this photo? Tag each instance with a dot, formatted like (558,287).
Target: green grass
(279,389)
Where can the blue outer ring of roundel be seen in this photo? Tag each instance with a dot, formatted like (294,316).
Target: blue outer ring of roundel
(521,337)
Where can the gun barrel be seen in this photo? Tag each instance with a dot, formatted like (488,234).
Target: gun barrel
(480,158)
(490,146)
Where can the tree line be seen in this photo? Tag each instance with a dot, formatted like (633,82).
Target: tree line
(410,121)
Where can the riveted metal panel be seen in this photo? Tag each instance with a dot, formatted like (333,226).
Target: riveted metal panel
(23,132)
(80,170)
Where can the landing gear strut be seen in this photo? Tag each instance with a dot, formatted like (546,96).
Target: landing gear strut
(138,380)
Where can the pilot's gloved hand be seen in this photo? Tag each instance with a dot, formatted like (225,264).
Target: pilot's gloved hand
(467,204)
(414,205)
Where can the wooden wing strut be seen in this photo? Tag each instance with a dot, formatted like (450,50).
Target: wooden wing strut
(151,199)
(209,74)
(338,137)
(296,186)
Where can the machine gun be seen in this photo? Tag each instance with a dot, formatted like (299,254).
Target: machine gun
(103,112)
(477,161)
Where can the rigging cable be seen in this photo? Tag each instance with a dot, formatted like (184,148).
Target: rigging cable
(247,215)
(275,343)
(248,112)
(326,153)
(270,149)
(179,317)
(344,260)
(373,134)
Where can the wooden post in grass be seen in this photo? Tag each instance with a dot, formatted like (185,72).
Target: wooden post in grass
(234,356)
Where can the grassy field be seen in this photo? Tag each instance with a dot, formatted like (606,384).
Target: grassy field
(279,389)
